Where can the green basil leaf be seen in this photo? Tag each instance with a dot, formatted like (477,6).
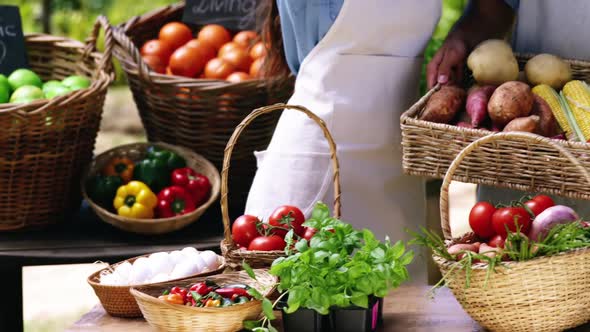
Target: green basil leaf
(301,245)
(289,241)
(248,270)
(271,328)
(267,309)
(260,329)
(255,294)
(361,301)
(320,212)
(378,253)
(320,255)
(252,324)
(407,258)
(398,249)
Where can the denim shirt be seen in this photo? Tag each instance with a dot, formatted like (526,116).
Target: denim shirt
(305,22)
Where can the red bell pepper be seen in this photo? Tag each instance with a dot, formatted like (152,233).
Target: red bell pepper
(195,183)
(201,288)
(174,201)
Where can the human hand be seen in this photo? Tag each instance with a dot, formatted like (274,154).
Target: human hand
(447,64)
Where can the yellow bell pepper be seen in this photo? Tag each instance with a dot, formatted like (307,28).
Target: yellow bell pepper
(135,200)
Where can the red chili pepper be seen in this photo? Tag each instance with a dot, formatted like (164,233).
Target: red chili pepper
(195,183)
(174,201)
(229,292)
(180,291)
(201,288)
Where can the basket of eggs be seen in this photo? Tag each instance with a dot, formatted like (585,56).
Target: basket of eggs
(194,83)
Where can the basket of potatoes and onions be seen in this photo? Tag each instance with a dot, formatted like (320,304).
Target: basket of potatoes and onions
(503,91)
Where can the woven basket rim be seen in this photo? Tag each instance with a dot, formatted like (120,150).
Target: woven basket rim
(212,197)
(92,279)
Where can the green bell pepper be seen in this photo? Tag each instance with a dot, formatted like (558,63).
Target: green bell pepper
(102,189)
(171,159)
(153,172)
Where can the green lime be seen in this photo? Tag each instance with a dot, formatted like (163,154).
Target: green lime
(26,94)
(76,82)
(55,91)
(51,84)
(22,77)
(4,81)
(4,93)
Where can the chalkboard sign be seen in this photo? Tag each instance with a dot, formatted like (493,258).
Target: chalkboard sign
(232,14)
(13,54)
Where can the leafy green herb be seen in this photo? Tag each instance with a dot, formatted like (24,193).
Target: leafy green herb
(248,270)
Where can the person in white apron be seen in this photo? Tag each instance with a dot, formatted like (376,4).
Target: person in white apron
(359,78)
(542,26)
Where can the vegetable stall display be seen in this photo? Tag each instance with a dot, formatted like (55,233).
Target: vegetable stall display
(150,188)
(548,97)
(525,267)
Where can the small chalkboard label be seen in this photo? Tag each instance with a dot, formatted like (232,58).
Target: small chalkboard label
(232,14)
(13,54)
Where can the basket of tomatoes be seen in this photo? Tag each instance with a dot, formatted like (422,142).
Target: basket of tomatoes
(259,242)
(150,188)
(193,85)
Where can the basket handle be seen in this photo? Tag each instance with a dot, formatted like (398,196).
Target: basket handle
(129,47)
(234,138)
(509,136)
(419,105)
(106,63)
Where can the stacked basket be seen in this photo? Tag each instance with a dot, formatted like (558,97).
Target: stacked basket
(199,114)
(44,145)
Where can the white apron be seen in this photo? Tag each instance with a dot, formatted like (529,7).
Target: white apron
(359,79)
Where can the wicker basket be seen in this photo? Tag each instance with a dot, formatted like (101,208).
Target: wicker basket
(542,294)
(199,114)
(429,148)
(45,144)
(117,301)
(233,255)
(137,152)
(175,318)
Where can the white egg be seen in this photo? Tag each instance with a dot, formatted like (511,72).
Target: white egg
(106,279)
(160,278)
(176,256)
(211,259)
(185,269)
(160,263)
(124,271)
(141,272)
(189,250)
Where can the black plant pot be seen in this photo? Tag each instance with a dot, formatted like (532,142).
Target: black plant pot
(352,319)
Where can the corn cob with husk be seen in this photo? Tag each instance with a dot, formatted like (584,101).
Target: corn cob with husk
(576,96)
(559,110)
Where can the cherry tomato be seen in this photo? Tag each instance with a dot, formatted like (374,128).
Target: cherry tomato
(258,51)
(215,35)
(207,51)
(175,34)
(267,243)
(158,48)
(186,61)
(244,230)
(238,77)
(239,58)
(480,219)
(255,71)
(228,47)
(539,204)
(509,217)
(288,217)
(496,242)
(245,38)
(218,69)
(309,233)
(155,63)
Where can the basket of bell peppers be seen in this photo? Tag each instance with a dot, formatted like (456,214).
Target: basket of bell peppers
(150,188)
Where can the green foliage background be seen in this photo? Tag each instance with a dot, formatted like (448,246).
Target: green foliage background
(75,18)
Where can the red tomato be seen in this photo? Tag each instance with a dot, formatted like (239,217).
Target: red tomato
(175,34)
(215,35)
(258,51)
(157,48)
(496,242)
(238,77)
(218,69)
(480,219)
(207,51)
(228,47)
(186,61)
(245,38)
(239,58)
(509,217)
(309,233)
(155,63)
(244,230)
(267,243)
(288,217)
(255,68)
(539,204)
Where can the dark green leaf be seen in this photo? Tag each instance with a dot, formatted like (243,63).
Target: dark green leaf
(196,296)
(378,253)
(320,212)
(271,328)
(267,309)
(289,241)
(301,245)
(255,294)
(248,270)
(320,255)
(252,324)
(361,301)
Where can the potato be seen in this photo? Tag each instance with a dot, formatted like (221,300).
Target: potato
(493,63)
(443,105)
(528,124)
(548,69)
(509,101)
(547,124)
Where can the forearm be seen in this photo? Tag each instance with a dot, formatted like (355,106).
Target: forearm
(484,19)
